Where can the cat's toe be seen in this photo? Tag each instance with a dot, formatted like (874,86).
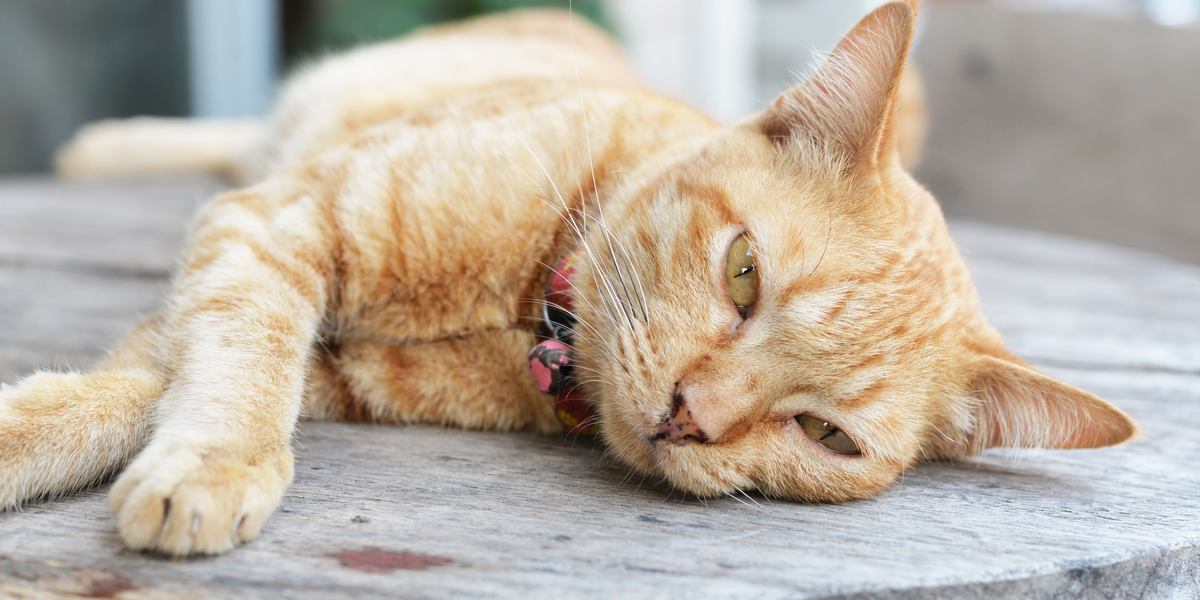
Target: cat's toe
(186,502)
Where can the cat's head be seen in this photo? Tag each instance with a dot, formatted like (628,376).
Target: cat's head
(793,316)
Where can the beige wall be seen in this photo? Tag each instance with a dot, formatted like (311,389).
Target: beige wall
(1076,124)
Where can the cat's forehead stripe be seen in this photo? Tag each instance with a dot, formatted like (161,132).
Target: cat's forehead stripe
(712,196)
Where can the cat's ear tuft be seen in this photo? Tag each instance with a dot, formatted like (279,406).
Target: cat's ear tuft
(845,106)
(1018,407)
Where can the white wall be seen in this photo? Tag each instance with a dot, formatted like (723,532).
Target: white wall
(234,56)
(729,56)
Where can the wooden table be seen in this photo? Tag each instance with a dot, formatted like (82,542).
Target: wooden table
(384,512)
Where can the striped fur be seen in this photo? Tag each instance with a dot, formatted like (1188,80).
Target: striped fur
(384,260)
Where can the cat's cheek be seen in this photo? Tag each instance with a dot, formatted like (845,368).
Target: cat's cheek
(630,448)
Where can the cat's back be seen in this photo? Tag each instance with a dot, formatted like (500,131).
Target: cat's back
(335,99)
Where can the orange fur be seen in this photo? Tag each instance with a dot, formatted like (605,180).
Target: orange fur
(386,264)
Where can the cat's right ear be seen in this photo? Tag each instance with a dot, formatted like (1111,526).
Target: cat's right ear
(1017,406)
(845,106)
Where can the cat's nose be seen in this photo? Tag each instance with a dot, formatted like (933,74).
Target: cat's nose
(680,426)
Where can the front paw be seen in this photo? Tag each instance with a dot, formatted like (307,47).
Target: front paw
(183,500)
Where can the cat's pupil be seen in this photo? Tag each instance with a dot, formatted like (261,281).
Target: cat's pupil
(741,275)
(827,434)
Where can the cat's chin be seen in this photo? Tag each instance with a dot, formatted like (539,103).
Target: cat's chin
(691,468)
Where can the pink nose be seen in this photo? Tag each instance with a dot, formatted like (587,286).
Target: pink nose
(679,426)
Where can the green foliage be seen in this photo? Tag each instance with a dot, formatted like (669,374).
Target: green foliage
(319,26)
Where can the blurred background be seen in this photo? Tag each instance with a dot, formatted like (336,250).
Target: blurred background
(1075,116)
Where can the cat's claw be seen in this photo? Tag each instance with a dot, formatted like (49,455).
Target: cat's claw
(187,501)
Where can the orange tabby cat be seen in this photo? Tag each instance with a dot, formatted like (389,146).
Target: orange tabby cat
(774,305)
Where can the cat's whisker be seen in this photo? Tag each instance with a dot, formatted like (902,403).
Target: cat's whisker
(622,293)
(579,354)
(612,299)
(543,302)
(622,301)
(579,234)
(584,369)
(578,335)
(582,426)
(749,497)
(636,278)
(939,431)
(582,382)
(620,274)
(641,290)
(731,495)
(828,237)
(602,274)
(568,219)
(628,475)
(578,292)
(635,273)
(641,481)
(587,136)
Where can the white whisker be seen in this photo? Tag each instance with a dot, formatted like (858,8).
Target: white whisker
(602,279)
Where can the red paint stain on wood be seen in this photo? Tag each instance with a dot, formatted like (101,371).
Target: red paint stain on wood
(378,560)
(108,587)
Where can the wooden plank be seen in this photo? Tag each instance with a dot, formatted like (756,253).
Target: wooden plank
(110,227)
(80,262)
(418,511)
(1064,301)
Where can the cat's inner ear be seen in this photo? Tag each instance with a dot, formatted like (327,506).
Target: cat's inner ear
(845,106)
(1018,407)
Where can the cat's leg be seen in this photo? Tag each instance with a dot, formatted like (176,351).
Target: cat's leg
(242,320)
(478,381)
(61,432)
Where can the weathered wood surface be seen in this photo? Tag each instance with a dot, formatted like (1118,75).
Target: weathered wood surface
(385,512)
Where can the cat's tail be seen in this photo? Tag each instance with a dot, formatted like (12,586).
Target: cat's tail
(61,432)
(151,146)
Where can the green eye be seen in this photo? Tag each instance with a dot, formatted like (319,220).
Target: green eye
(741,275)
(827,434)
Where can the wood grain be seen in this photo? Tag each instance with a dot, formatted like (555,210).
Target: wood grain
(383,512)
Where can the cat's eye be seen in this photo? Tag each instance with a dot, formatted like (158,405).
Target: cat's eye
(741,275)
(827,434)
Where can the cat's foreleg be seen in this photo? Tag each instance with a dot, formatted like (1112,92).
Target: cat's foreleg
(61,432)
(242,320)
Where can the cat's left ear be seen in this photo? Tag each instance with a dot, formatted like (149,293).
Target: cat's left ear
(1018,407)
(845,106)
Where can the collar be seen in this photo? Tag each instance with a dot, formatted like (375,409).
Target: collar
(551,361)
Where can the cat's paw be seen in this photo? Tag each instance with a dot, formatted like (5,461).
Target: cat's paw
(183,501)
